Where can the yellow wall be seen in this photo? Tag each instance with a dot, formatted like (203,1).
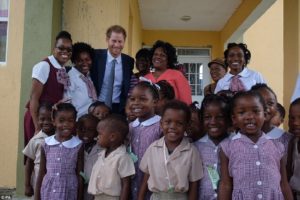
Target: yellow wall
(10,75)
(186,39)
(265,41)
(238,17)
(291,47)
(88,20)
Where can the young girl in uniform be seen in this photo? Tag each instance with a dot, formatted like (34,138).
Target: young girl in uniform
(81,92)
(87,131)
(172,166)
(215,121)
(99,110)
(240,77)
(166,94)
(145,129)
(195,132)
(271,131)
(61,159)
(252,166)
(111,174)
(33,148)
(293,161)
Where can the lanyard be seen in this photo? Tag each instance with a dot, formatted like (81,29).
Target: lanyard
(171,187)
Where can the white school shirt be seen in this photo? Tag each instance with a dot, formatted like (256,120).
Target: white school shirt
(78,92)
(118,79)
(41,70)
(248,77)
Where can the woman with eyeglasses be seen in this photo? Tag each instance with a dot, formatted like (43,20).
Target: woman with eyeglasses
(49,79)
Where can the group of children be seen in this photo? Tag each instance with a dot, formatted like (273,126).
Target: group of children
(224,148)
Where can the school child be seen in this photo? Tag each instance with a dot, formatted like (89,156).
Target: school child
(271,131)
(166,93)
(278,119)
(33,148)
(111,174)
(240,77)
(145,129)
(215,121)
(194,131)
(293,160)
(61,159)
(129,114)
(252,166)
(87,132)
(172,166)
(99,110)
(81,91)
(49,80)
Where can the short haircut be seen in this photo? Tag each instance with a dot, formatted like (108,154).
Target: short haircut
(143,53)
(60,107)
(178,105)
(116,123)
(250,93)
(81,47)
(116,29)
(281,110)
(260,86)
(295,102)
(89,117)
(216,100)
(45,105)
(151,87)
(168,49)
(98,103)
(247,53)
(63,35)
(166,90)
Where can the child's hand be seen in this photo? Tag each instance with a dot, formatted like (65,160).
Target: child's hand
(28,190)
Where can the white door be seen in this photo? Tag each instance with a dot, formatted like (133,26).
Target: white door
(195,64)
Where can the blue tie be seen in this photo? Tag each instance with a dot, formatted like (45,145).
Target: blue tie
(110,83)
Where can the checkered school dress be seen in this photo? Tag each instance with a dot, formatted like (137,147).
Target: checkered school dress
(60,181)
(209,154)
(254,167)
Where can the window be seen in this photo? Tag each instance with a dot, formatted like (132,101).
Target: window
(3,28)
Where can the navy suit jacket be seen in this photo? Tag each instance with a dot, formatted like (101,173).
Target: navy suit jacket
(98,71)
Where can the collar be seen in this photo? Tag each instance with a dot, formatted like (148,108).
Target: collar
(204,139)
(275,133)
(78,73)
(147,122)
(241,136)
(110,58)
(54,62)
(71,143)
(244,73)
(120,150)
(41,134)
(184,144)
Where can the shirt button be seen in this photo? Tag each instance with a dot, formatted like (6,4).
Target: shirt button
(57,174)
(60,145)
(215,195)
(216,150)
(58,158)
(98,176)
(257,163)
(215,166)
(54,190)
(259,196)
(255,146)
(259,183)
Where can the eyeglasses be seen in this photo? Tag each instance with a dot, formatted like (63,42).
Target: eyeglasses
(68,49)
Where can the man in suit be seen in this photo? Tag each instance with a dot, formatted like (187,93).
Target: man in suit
(112,70)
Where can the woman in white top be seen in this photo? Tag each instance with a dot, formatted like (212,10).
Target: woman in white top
(239,77)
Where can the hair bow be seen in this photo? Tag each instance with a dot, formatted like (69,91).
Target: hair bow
(149,81)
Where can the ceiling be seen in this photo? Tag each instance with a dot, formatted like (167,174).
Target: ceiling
(206,15)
